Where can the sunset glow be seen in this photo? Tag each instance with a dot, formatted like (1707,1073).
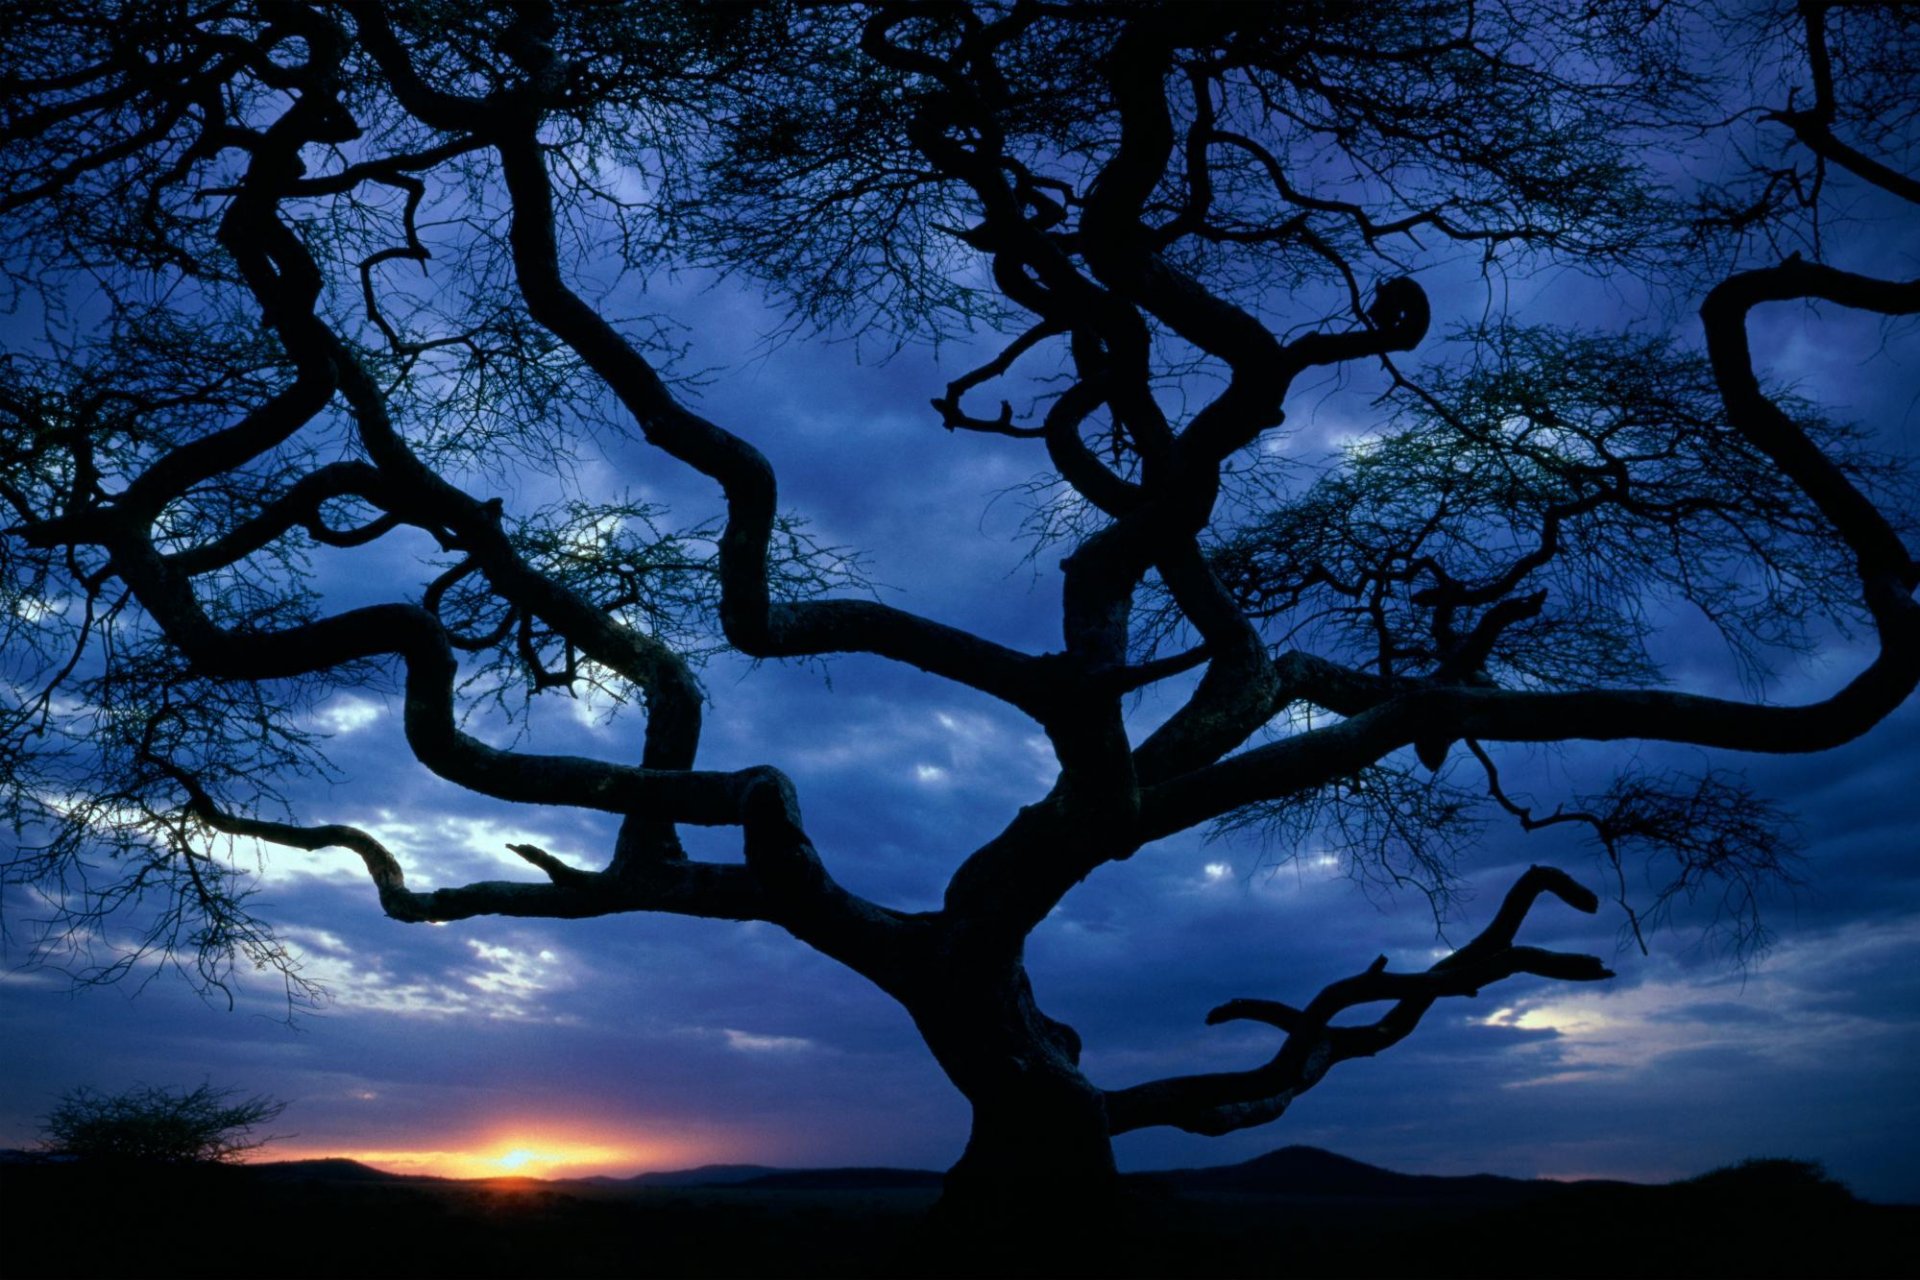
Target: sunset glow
(518,1155)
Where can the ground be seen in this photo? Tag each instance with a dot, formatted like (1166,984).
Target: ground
(325,1219)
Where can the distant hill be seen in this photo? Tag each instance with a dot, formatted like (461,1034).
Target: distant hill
(1312,1172)
(707,1175)
(1294,1171)
(854,1179)
(760,1177)
(331,1168)
(1290,1171)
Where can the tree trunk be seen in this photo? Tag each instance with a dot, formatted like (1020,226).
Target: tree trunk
(1037,1177)
(1039,1132)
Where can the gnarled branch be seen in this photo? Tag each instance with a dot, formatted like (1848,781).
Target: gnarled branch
(1222,1102)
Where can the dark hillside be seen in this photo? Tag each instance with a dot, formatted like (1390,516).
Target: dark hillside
(1294,1212)
(1309,1171)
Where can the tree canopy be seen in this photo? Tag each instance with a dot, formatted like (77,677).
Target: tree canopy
(292,279)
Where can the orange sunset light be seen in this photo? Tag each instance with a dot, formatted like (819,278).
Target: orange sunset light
(519,1154)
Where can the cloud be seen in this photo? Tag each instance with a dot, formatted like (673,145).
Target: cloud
(348,714)
(498,981)
(748,1042)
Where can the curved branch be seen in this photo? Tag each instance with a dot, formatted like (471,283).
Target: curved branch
(1078,466)
(751,620)
(1316,757)
(1234,698)
(699,889)
(1391,715)
(1222,1102)
(953,417)
(1814,126)
(298,506)
(1888,570)
(782,883)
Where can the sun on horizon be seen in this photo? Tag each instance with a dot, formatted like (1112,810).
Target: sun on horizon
(518,1155)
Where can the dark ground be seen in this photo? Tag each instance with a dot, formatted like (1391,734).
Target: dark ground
(1296,1212)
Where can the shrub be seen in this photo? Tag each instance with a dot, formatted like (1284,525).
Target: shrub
(159,1126)
(1772,1180)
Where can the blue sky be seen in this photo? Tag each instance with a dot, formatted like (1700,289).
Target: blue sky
(648,1042)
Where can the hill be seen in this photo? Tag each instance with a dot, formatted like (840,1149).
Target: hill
(1311,1172)
(1294,1211)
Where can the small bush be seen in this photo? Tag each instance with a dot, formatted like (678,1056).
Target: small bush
(158,1126)
(1774,1180)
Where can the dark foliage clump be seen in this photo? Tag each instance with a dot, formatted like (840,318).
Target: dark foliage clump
(146,1125)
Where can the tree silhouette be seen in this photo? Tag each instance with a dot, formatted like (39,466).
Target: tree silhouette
(316,275)
(146,1125)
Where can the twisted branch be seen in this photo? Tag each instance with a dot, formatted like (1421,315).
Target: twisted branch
(1222,1102)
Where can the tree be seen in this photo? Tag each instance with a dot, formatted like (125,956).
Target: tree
(203,1125)
(1179,214)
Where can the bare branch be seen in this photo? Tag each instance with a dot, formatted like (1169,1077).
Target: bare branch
(1221,1103)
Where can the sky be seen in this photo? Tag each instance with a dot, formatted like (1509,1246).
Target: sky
(651,1042)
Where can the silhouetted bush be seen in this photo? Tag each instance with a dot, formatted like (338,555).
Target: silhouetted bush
(1804,1182)
(158,1126)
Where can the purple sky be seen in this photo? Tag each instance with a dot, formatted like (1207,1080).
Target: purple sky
(644,1042)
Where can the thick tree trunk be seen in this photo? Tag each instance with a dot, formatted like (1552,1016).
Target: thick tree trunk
(1039,1132)
(1037,1178)
(1035,1193)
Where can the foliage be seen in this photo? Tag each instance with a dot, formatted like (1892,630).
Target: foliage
(147,1125)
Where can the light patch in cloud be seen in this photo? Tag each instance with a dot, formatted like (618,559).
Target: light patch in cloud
(1217,871)
(449,849)
(1599,1031)
(435,851)
(1300,718)
(356,983)
(592,706)
(34,608)
(947,745)
(348,714)
(508,984)
(750,1042)
(513,977)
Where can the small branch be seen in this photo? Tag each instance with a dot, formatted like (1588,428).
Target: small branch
(1271,1012)
(299,506)
(720,892)
(557,871)
(1138,675)
(952,417)
(1814,126)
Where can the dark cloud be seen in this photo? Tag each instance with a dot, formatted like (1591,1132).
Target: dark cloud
(1714,1011)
